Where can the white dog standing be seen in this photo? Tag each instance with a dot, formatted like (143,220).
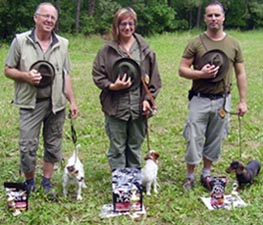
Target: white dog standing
(74,174)
(150,172)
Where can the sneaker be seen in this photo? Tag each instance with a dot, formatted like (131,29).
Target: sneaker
(205,181)
(188,184)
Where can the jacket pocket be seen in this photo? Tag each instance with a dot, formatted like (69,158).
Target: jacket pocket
(108,103)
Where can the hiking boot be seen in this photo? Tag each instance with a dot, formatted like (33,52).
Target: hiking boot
(205,181)
(188,184)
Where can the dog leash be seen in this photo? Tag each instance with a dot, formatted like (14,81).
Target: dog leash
(154,110)
(239,137)
(73,132)
(73,136)
(239,134)
(222,113)
(154,107)
(74,139)
(147,134)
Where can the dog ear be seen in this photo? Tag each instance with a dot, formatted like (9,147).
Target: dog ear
(235,165)
(157,155)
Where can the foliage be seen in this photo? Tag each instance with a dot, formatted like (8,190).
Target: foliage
(88,25)
(104,13)
(236,14)
(16,16)
(67,16)
(256,15)
(154,16)
(171,205)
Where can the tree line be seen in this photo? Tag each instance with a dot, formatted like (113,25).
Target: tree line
(154,16)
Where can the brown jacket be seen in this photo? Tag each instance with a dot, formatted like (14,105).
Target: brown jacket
(102,73)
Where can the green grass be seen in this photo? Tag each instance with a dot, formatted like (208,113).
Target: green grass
(171,205)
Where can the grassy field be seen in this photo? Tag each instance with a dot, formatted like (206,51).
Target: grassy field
(172,205)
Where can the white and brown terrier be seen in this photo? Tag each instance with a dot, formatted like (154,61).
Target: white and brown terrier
(74,174)
(150,172)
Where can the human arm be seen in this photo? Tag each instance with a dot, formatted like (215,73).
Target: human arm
(12,62)
(102,74)
(151,82)
(242,88)
(32,77)
(70,97)
(185,70)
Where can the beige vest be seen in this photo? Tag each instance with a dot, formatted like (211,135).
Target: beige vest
(25,94)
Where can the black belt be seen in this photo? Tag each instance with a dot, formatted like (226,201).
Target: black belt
(210,96)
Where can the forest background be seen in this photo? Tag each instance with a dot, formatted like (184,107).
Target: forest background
(154,16)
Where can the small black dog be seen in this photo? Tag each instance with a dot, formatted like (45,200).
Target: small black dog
(244,174)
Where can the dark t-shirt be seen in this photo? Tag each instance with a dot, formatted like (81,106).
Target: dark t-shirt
(198,46)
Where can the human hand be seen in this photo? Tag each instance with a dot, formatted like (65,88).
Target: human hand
(241,108)
(209,71)
(147,110)
(121,83)
(34,77)
(73,111)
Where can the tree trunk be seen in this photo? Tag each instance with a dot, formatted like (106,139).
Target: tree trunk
(91,8)
(198,17)
(77,16)
(190,19)
(58,7)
